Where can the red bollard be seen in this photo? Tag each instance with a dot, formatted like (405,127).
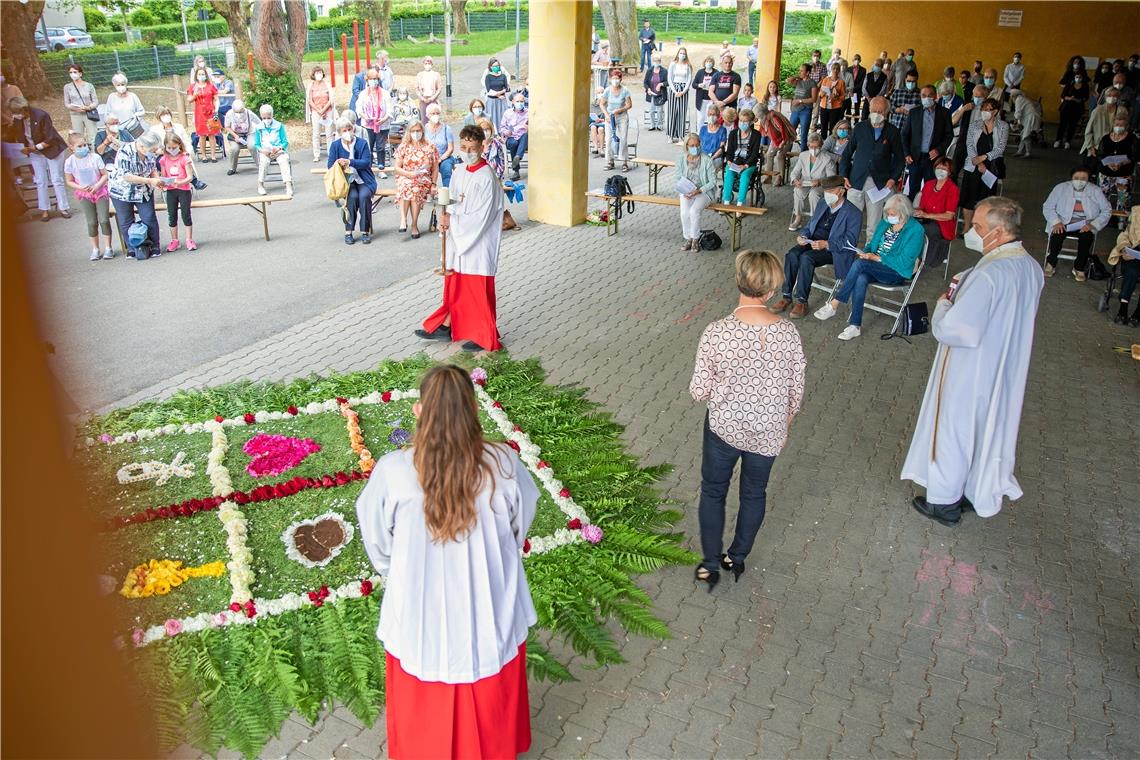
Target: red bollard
(249,64)
(356,44)
(332,69)
(344,54)
(367,45)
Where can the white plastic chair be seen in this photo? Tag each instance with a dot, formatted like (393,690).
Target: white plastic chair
(906,289)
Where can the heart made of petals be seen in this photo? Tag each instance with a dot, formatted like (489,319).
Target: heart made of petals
(273,454)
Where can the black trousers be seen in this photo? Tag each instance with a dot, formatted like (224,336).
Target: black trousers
(1071,112)
(920,171)
(359,202)
(176,199)
(378,144)
(1084,248)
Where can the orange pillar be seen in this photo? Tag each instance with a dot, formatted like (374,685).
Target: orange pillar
(771,36)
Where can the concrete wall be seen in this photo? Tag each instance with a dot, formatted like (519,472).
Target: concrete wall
(955,33)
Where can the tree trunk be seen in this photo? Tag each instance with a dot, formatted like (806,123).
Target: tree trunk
(233,11)
(383,24)
(459,17)
(19,21)
(621,28)
(742,8)
(280,34)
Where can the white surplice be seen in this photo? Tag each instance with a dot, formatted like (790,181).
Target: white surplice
(454,611)
(966,433)
(476,220)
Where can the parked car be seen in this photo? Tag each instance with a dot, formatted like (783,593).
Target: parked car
(62,38)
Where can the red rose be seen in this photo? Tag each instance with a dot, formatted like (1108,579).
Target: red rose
(366,587)
(235,607)
(386,396)
(250,611)
(564,493)
(164,512)
(249,418)
(151,513)
(541,465)
(323,592)
(240,497)
(313,596)
(341,400)
(319,603)
(327,482)
(293,410)
(497,405)
(513,445)
(357,475)
(342,478)
(574,524)
(219,418)
(526,546)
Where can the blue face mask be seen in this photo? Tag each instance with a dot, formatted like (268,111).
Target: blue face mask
(978,102)
(82,151)
(876,68)
(989,81)
(841,133)
(911,85)
(745,126)
(694,150)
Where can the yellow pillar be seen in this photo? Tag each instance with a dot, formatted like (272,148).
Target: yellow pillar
(771,38)
(560,92)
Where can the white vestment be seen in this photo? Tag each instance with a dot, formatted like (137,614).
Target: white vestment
(476,221)
(966,433)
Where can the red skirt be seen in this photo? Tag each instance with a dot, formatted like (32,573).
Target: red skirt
(429,720)
(470,300)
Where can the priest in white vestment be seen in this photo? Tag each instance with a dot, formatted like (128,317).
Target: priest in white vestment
(963,447)
(473,226)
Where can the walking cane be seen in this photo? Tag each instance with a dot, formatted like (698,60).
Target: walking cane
(443,202)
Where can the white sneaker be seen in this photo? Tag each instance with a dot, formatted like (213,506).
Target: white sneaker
(1049,270)
(289,188)
(1068,146)
(383,175)
(95,255)
(739,203)
(850,332)
(108,254)
(316,159)
(261,190)
(825,312)
(1056,143)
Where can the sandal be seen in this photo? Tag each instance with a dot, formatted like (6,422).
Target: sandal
(625,167)
(704,575)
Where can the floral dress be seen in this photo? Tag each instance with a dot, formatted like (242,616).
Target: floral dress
(203,107)
(412,157)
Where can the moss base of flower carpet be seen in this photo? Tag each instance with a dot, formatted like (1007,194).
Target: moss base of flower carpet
(234,687)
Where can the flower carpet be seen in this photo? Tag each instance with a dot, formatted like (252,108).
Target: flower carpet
(231,554)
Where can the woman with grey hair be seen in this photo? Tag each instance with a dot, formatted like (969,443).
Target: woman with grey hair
(354,155)
(127,107)
(134,178)
(949,96)
(889,259)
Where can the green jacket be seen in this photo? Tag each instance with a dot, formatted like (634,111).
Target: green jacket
(703,175)
(906,249)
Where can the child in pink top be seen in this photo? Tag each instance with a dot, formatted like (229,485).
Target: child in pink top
(177,170)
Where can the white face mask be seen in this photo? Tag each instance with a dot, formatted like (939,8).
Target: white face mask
(681,56)
(1080,184)
(877,119)
(520,106)
(830,198)
(941,173)
(120,88)
(427,67)
(202,77)
(319,76)
(615,82)
(1110,101)
(892,219)
(477,111)
(813,151)
(434,118)
(974,241)
(927,102)
(1117,130)
(987,115)
(470,157)
(76,76)
(347,136)
(165,119)
(268,120)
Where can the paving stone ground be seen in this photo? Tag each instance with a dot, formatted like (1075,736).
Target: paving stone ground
(859,629)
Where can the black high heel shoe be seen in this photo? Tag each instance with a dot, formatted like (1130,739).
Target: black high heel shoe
(711,577)
(736,568)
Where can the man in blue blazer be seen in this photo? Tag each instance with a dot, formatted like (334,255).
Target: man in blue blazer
(829,238)
(355,158)
(874,160)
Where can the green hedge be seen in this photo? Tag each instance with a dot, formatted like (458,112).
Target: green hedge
(167,33)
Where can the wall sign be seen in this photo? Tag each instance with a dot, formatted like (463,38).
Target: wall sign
(1009,18)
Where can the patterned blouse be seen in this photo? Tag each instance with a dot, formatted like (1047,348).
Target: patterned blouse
(752,377)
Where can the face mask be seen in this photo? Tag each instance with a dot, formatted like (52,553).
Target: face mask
(427,67)
(202,78)
(987,115)
(694,150)
(615,82)
(911,85)
(1077,80)
(1076,67)
(910,57)
(857,62)
(927,102)
(813,151)
(1079,184)
(978,102)
(941,173)
(947,99)
(434,118)
(1110,101)
(120,88)
(113,128)
(988,81)
(476,111)
(876,68)
(319,76)
(974,241)
(519,106)
(470,157)
(841,133)
(82,151)
(656,63)
(1017,59)
(164,119)
(347,137)
(174,151)
(815,59)
(417,136)
(486,136)
(373,83)
(401,96)
(1118,130)
(892,220)
(745,126)
(75,76)
(267,120)
(681,56)
(877,119)
(830,199)
(495,69)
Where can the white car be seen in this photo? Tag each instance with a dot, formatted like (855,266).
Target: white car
(62,38)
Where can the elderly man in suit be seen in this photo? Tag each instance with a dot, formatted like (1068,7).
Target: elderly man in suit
(873,163)
(829,238)
(926,136)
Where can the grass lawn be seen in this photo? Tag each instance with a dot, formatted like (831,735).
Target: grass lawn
(478,43)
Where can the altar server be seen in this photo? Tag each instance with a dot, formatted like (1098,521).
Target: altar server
(445,521)
(963,448)
(473,226)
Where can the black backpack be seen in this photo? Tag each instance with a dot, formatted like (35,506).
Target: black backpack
(709,240)
(617,187)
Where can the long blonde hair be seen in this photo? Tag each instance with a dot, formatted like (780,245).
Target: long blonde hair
(449,452)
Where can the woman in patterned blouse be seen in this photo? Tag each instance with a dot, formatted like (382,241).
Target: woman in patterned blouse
(750,371)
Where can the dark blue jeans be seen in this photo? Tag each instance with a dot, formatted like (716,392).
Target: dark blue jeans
(861,275)
(718,460)
(799,270)
(125,216)
(516,146)
(801,117)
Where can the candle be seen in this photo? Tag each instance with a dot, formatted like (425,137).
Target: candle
(444,196)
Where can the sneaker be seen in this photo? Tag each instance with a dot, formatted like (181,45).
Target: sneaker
(108,254)
(198,184)
(1068,146)
(1079,276)
(191,245)
(316,159)
(261,190)
(349,239)
(383,175)
(1049,270)
(794,224)
(739,204)
(850,332)
(443,332)
(365,238)
(174,246)
(231,172)
(825,312)
(95,255)
(1056,143)
(471,347)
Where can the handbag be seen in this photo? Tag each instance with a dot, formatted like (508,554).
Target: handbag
(213,124)
(915,319)
(91,115)
(709,240)
(336,184)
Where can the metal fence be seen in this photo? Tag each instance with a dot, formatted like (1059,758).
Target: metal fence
(137,63)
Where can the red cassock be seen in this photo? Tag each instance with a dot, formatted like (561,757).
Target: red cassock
(485,720)
(470,300)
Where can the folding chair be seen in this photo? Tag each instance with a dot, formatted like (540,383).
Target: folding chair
(631,139)
(1066,254)
(906,289)
(829,286)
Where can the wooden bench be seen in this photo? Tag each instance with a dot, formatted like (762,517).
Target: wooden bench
(733,215)
(259,203)
(655,165)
